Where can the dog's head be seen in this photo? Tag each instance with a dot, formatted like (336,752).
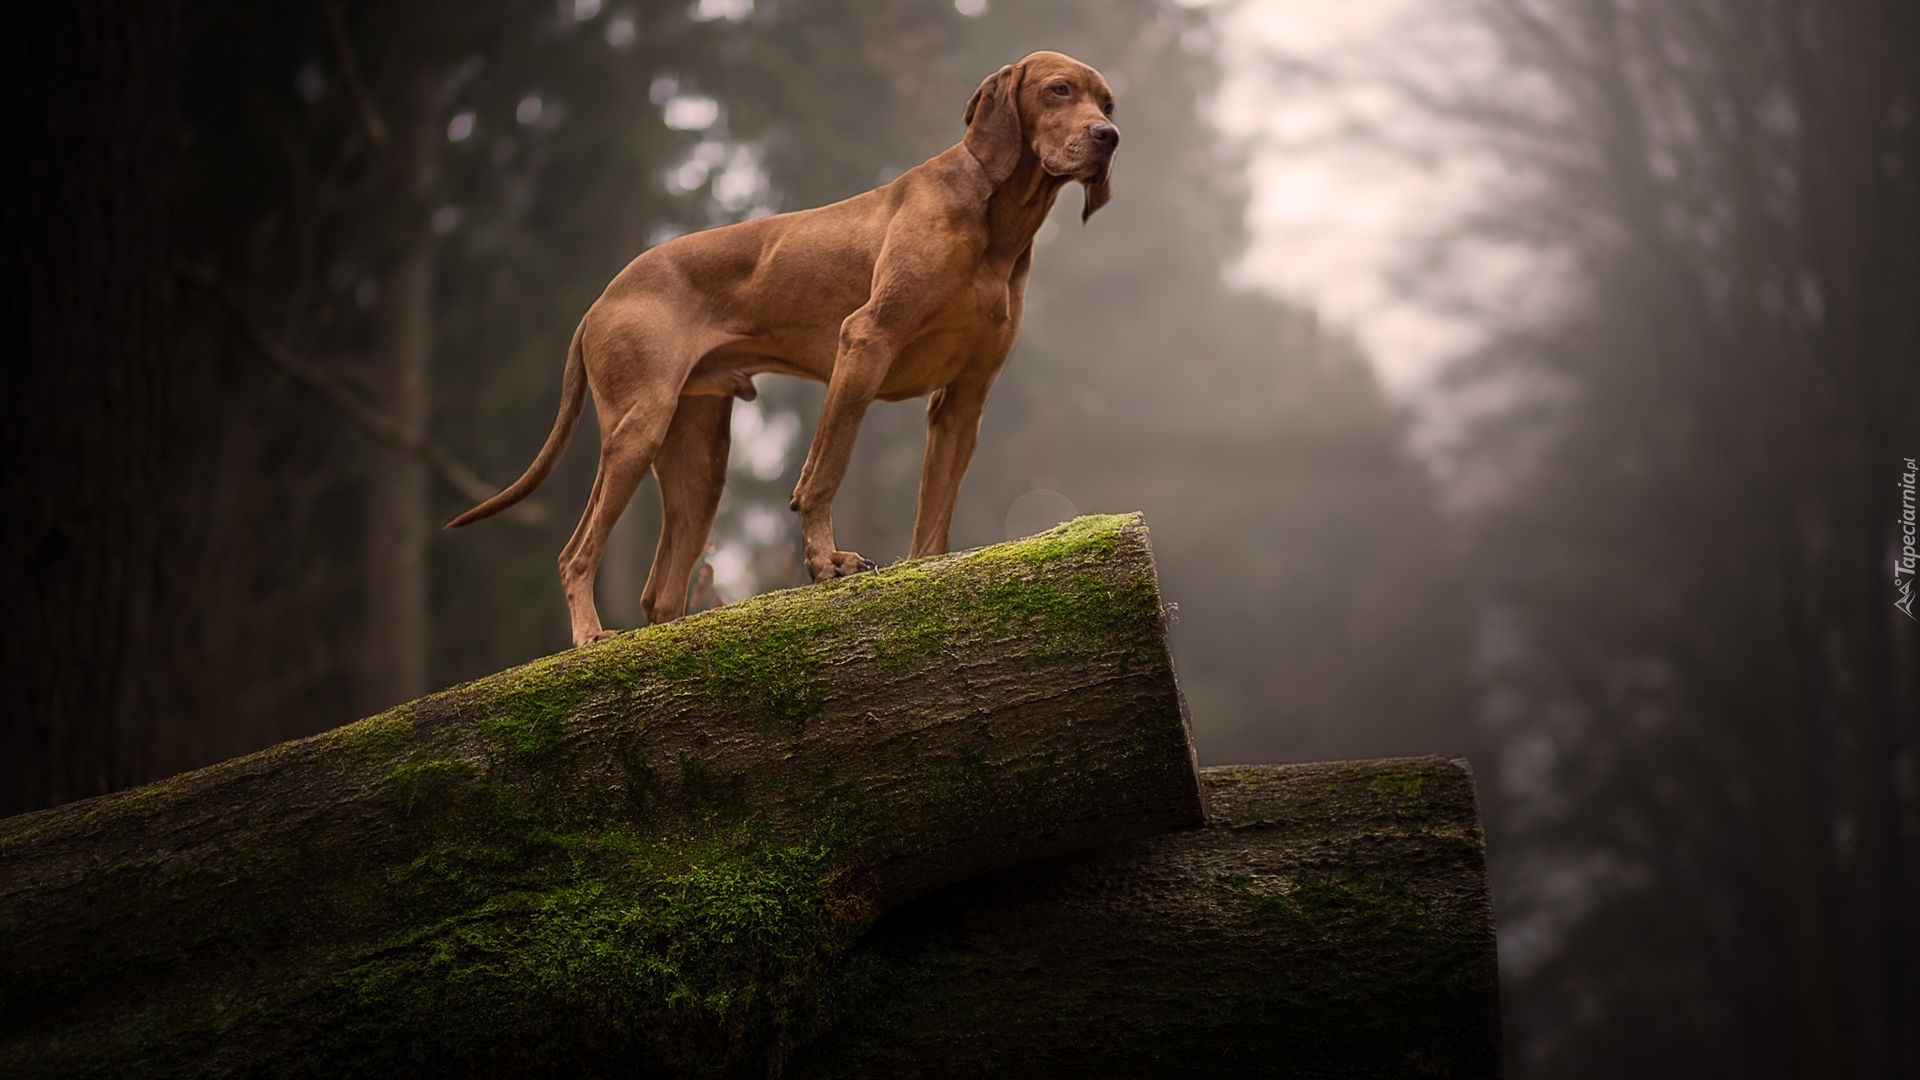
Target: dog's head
(1054,107)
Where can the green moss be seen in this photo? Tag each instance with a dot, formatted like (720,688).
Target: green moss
(1401,791)
(524,711)
(376,737)
(983,601)
(759,659)
(682,965)
(414,785)
(693,950)
(923,619)
(544,893)
(764,670)
(537,922)
(530,729)
(1094,613)
(1097,535)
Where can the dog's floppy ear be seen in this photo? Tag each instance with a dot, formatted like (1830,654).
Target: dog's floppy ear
(1099,191)
(994,134)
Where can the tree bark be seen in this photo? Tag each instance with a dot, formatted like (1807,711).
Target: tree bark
(1332,920)
(87,108)
(394,647)
(646,855)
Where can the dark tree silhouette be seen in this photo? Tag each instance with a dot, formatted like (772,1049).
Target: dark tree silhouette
(88,113)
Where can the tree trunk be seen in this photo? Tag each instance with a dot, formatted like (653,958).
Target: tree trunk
(394,657)
(1331,920)
(647,855)
(87,108)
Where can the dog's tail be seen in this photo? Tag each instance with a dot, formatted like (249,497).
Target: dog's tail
(573,396)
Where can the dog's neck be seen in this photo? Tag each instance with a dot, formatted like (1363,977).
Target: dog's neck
(1019,206)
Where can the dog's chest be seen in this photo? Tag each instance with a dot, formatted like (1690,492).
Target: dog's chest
(992,293)
(972,328)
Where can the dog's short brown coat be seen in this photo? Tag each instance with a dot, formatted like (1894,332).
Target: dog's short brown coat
(912,288)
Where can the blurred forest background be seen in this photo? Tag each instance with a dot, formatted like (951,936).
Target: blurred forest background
(284,278)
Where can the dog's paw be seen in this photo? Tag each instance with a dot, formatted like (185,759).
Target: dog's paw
(840,564)
(597,635)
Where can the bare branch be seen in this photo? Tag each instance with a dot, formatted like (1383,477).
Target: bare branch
(372,421)
(350,75)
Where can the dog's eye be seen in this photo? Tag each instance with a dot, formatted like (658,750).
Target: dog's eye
(1062,89)
(1108,109)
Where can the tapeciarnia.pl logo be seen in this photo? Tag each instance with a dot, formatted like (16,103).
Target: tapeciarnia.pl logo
(1905,563)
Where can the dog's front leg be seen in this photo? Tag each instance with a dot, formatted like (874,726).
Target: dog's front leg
(866,351)
(953,420)
(953,427)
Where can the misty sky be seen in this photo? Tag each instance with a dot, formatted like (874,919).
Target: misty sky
(1331,218)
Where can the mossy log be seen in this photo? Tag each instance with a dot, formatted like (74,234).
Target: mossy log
(1331,920)
(643,857)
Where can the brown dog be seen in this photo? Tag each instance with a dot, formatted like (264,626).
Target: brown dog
(913,288)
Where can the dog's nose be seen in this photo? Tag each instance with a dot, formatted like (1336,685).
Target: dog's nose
(1106,134)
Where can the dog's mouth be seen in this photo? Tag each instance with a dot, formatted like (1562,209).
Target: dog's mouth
(1080,159)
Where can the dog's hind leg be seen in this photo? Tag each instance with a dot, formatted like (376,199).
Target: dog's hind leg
(692,470)
(627,449)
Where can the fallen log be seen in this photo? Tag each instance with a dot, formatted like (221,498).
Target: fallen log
(641,857)
(1331,920)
